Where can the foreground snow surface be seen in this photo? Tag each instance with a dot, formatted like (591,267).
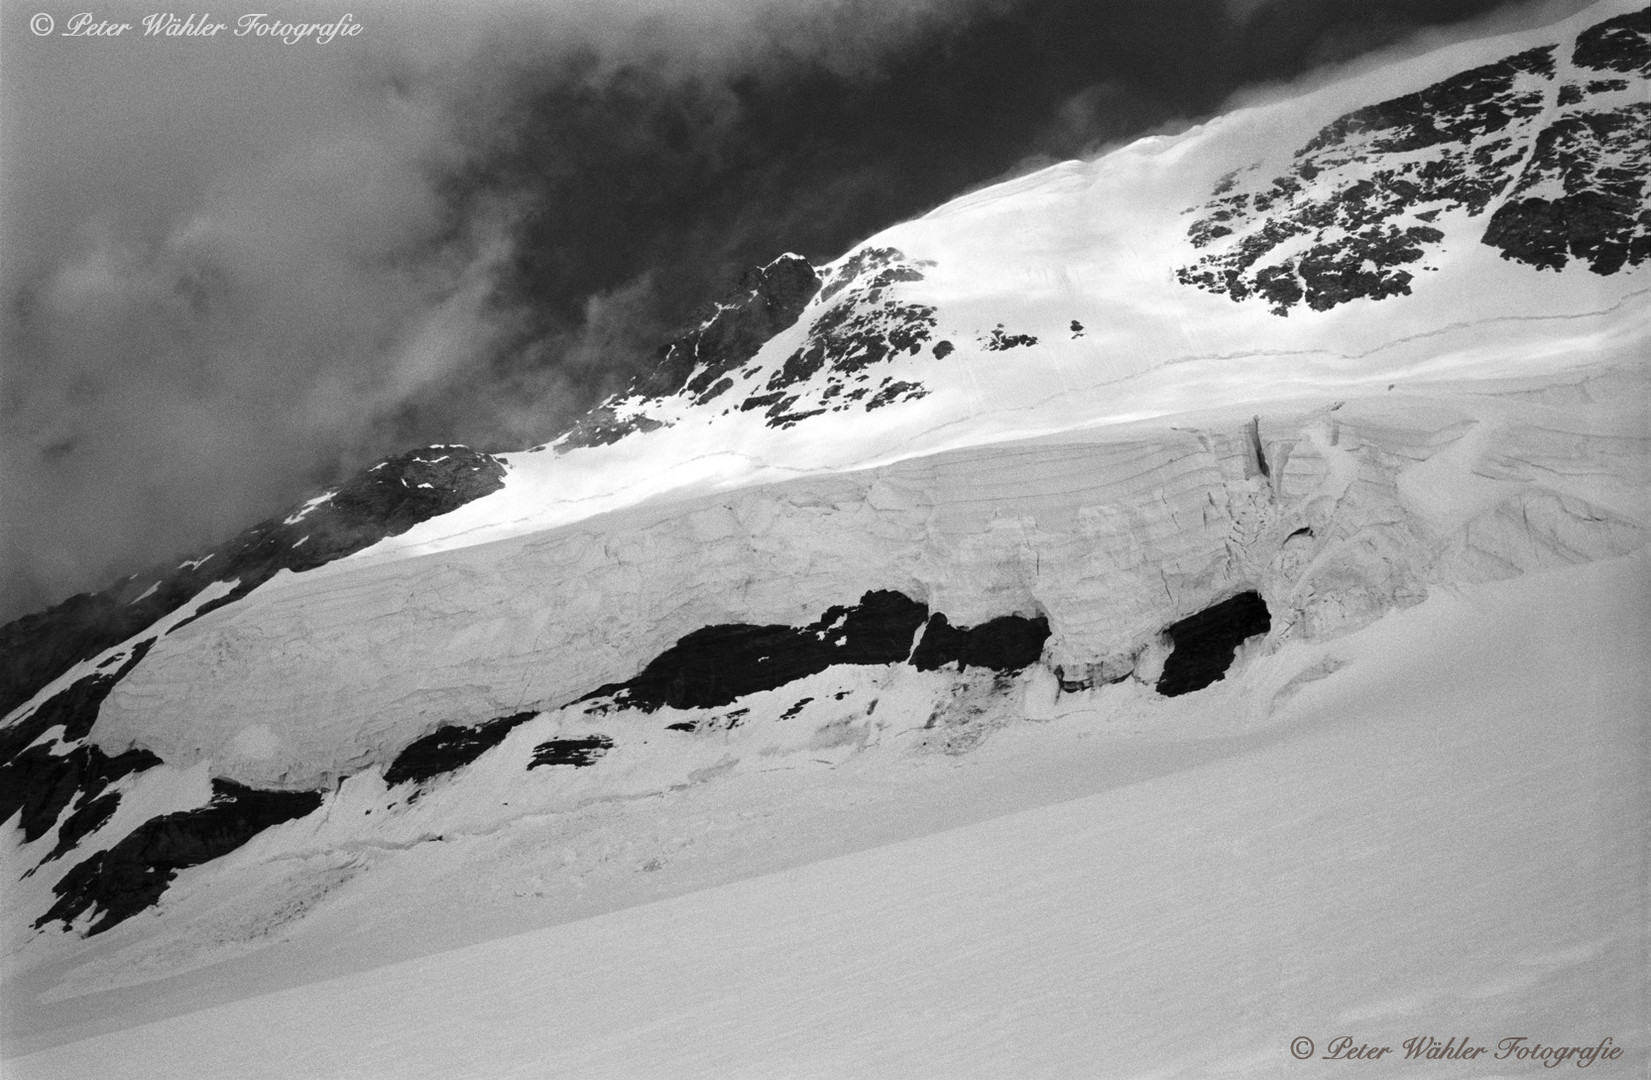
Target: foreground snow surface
(1438,830)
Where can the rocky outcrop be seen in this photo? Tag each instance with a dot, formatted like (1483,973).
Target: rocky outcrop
(41,784)
(385,500)
(1206,642)
(769,299)
(578,752)
(865,323)
(1622,44)
(41,777)
(1356,214)
(116,884)
(449,747)
(716,665)
(1008,643)
(1583,195)
(49,766)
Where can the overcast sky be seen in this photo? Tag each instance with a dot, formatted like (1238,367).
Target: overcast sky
(235,269)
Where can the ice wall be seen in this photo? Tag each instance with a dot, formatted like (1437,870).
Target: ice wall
(1362,506)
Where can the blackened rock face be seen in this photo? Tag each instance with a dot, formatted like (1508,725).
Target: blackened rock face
(1362,196)
(89,818)
(399,492)
(1004,644)
(603,426)
(769,300)
(1000,341)
(866,324)
(42,782)
(385,500)
(578,752)
(132,875)
(1583,194)
(1600,162)
(1205,642)
(1620,44)
(449,747)
(1356,209)
(74,708)
(717,664)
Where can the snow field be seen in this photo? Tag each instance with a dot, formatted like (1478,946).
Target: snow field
(1440,836)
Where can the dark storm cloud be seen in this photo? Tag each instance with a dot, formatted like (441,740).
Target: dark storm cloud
(233,271)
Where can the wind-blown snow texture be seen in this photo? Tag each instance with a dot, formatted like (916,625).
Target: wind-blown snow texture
(1137,449)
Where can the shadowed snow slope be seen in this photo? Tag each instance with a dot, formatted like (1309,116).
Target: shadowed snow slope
(1129,617)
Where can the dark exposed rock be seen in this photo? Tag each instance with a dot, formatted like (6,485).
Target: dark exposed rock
(577,752)
(1089,676)
(132,875)
(1600,160)
(1459,109)
(727,721)
(1205,642)
(41,783)
(861,262)
(942,349)
(1471,128)
(1004,644)
(892,392)
(768,300)
(385,500)
(863,324)
(91,817)
(763,401)
(1362,189)
(74,708)
(602,427)
(449,747)
(860,330)
(1620,44)
(38,782)
(717,664)
(999,341)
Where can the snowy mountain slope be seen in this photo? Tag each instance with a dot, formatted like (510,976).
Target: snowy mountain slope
(1060,449)
(1429,840)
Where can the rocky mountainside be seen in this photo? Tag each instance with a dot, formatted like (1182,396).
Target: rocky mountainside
(1105,433)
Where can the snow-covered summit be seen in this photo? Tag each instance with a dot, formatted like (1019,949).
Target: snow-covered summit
(1412,219)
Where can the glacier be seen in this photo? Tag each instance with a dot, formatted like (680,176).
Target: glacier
(1127,618)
